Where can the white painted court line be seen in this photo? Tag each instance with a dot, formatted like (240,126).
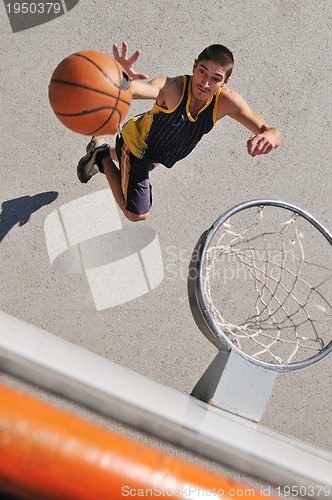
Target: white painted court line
(86,234)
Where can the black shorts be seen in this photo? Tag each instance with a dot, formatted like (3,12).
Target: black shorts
(135,182)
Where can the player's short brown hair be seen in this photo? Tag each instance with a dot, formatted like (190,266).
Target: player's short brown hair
(219,54)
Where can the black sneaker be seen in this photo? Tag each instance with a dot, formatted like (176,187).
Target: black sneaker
(87,166)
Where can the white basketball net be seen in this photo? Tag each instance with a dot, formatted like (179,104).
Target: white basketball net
(279,299)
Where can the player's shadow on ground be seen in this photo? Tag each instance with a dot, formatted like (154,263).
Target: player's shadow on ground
(19,210)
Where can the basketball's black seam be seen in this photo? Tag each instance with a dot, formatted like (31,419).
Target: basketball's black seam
(100,69)
(118,98)
(88,112)
(101,126)
(92,132)
(119,92)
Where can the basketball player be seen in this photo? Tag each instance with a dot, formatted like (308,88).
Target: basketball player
(185,108)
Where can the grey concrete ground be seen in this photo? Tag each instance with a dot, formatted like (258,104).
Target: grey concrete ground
(282,55)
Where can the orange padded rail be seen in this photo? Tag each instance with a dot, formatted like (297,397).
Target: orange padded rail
(46,453)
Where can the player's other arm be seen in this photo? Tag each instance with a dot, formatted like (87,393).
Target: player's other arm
(265,138)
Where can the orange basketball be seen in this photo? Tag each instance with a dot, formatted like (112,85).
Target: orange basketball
(90,93)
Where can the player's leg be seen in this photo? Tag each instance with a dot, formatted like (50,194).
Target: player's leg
(129,186)
(113,154)
(113,176)
(88,165)
(97,153)
(135,183)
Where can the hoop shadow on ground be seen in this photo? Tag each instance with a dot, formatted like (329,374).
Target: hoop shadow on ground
(19,210)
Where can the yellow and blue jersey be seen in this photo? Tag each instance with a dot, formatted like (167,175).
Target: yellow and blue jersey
(167,135)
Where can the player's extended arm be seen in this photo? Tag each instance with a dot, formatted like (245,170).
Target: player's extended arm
(265,138)
(140,89)
(148,90)
(128,62)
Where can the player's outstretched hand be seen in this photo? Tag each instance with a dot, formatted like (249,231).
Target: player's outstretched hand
(262,144)
(128,62)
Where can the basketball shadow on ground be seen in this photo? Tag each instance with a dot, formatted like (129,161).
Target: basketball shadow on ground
(19,210)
